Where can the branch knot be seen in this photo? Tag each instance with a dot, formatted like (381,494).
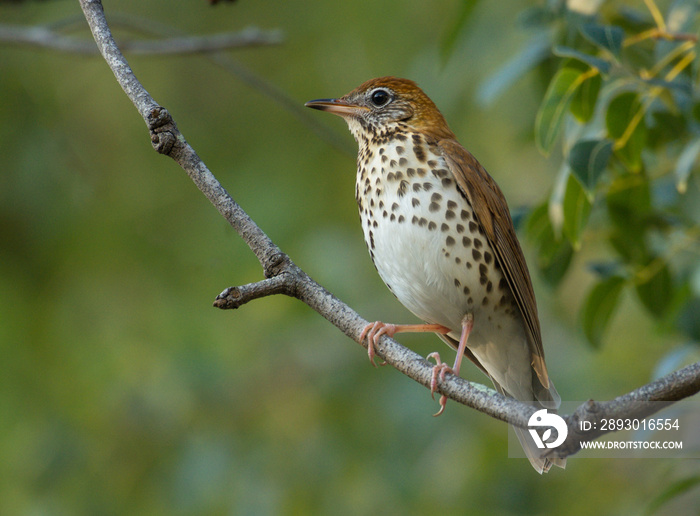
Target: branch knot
(163,130)
(275,263)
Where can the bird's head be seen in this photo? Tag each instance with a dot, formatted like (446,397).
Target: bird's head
(379,105)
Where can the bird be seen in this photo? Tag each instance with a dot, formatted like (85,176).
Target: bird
(440,234)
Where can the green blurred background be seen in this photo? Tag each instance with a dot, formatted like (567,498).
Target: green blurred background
(122,391)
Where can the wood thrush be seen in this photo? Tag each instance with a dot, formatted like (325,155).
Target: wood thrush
(440,234)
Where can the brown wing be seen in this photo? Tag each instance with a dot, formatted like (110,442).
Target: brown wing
(491,211)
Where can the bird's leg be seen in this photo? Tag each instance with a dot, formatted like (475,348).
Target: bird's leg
(441,368)
(376,329)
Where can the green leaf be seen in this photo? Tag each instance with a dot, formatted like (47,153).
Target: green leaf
(625,123)
(584,102)
(664,128)
(600,307)
(629,208)
(553,254)
(535,51)
(629,201)
(688,320)
(599,64)
(686,164)
(577,208)
(554,106)
(608,37)
(588,159)
(656,292)
(696,112)
(450,39)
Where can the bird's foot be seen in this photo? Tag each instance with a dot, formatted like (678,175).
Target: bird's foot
(439,371)
(373,331)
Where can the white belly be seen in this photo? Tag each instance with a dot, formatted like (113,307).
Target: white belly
(417,229)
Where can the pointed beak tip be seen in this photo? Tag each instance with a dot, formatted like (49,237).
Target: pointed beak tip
(322,104)
(338,107)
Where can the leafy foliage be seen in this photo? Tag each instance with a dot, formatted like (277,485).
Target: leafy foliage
(624,97)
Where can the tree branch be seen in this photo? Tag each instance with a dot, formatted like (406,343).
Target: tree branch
(283,276)
(46,38)
(52,36)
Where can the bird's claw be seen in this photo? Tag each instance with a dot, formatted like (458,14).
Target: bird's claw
(372,332)
(439,371)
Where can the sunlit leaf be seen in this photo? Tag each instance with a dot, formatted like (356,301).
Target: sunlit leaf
(601,65)
(607,37)
(577,208)
(599,308)
(588,160)
(625,123)
(554,106)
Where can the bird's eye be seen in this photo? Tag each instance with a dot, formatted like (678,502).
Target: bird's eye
(380,97)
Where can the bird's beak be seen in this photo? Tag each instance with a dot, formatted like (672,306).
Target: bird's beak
(338,107)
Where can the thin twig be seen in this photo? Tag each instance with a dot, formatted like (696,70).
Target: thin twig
(51,36)
(44,37)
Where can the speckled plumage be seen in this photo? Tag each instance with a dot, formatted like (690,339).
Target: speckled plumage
(439,233)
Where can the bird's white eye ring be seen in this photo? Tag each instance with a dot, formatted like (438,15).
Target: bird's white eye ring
(380,97)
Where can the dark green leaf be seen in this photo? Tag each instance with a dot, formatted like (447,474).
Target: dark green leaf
(696,112)
(600,307)
(665,127)
(629,201)
(588,159)
(688,320)
(535,51)
(577,208)
(607,37)
(553,254)
(448,43)
(554,106)
(656,292)
(629,208)
(625,113)
(601,65)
